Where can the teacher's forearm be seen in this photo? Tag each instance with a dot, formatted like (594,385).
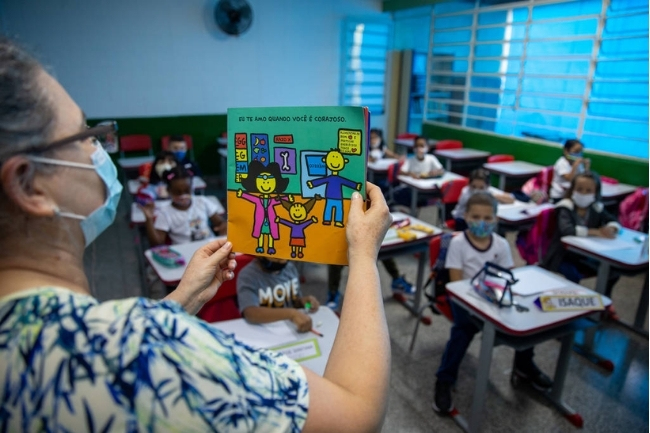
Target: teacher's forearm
(360,357)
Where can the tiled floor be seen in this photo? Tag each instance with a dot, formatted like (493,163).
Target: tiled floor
(608,402)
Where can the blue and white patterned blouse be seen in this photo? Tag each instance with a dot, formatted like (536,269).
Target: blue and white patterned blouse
(69,363)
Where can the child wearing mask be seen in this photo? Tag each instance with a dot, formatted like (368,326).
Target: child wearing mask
(422,165)
(186,218)
(178,147)
(156,187)
(467,254)
(268,290)
(570,164)
(378,148)
(478,181)
(580,213)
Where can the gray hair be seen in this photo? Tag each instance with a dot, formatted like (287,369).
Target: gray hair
(26,113)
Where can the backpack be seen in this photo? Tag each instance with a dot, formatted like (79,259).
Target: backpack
(533,244)
(633,210)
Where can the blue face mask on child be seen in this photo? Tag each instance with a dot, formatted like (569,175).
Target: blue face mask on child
(180,154)
(481,229)
(102,217)
(574,156)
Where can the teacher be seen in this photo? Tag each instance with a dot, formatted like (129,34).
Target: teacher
(71,363)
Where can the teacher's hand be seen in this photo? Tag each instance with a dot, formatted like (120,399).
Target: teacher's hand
(210,266)
(365,230)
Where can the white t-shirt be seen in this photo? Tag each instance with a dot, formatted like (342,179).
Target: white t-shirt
(559,185)
(427,165)
(463,255)
(188,225)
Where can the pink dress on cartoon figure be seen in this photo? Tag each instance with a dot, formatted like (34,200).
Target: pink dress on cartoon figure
(259,216)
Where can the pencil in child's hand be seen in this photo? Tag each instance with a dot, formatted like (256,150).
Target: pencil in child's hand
(316,332)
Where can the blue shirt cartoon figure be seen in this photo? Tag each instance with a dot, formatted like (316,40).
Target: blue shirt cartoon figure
(299,222)
(334,184)
(264,180)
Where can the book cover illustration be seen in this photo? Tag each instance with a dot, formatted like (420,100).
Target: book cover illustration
(291,174)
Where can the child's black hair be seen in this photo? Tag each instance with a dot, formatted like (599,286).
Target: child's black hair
(179,172)
(377,131)
(588,175)
(421,137)
(255,168)
(479,174)
(572,142)
(482,199)
(177,137)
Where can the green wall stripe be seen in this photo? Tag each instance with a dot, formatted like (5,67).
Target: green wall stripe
(632,171)
(396,5)
(204,130)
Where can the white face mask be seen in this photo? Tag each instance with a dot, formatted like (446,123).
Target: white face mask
(583,200)
(161,168)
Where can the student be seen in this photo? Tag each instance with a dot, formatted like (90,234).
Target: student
(478,181)
(580,214)
(268,290)
(422,165)
(567,167)
(155,185)
(186,218)
(378,148)
(466,256)
(178,147)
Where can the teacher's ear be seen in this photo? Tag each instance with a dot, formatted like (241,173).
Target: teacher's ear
(21,185)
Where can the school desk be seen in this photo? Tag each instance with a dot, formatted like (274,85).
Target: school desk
(393,246)
(615,192)
(516,169)
(134,162)
(379,166)
(463,155)
(403,145)
(308,349)
(222,141)
(137,216)
(626,251)
(425,186)
(521,330)
(518,214)
(198,184)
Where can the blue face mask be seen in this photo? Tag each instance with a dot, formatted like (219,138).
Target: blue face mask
(180,155)
(574,156)
(481,229)
(102,217)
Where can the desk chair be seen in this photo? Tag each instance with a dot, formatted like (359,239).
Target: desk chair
(135,143)
(164,144)
(449,144)
(437,298)
(224,306)
(500,158)
(393,183)
(450,193)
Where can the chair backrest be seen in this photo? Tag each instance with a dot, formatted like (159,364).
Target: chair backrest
(534,244)
(451,190)
(437,256)
(500,158)
(224,306)
(393,171)
(449,144)
(406,136)
(135,143)
(164,142)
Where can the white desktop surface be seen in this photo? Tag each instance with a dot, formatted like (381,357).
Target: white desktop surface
(514,168)
(461,154)
(272,335)
(615,190)
(134,162)
(381,165)
(428,184)
(622,251)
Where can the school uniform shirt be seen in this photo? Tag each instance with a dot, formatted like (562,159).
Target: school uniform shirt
(73,364)
(258,288)
(559,185)
(569,223)
(414,166)
(187,225)
(462,254)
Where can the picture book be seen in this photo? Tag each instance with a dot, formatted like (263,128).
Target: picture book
(291,174)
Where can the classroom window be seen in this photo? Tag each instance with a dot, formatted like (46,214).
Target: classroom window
(551,70)
(364,64)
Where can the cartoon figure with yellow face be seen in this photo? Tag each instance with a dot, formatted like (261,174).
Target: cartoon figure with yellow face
(299,222)
(264,180)
(334,184)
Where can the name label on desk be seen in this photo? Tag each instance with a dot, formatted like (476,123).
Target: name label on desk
(300,350)
(570,302)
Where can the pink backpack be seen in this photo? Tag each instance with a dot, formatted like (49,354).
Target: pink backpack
(634,209)
(533,244)
(537,187)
